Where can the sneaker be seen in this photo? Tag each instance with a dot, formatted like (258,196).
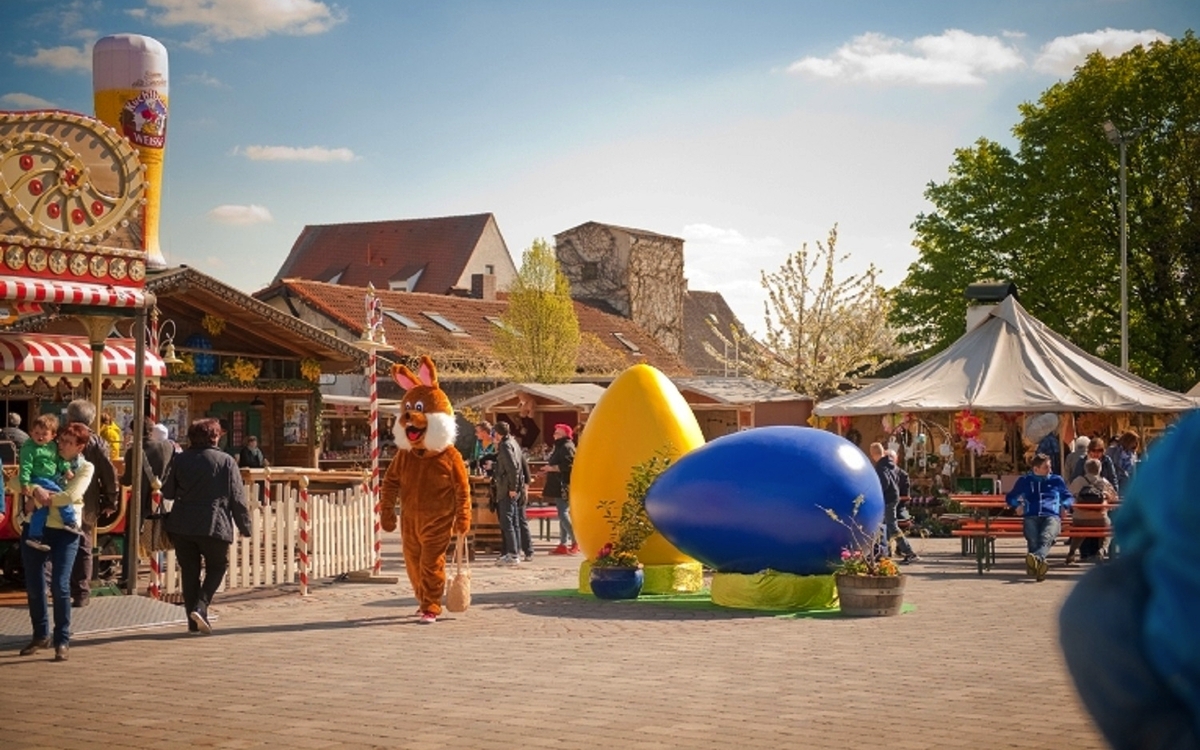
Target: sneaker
(560,550)
(1031,564)
(910,558)
(573,549)
(508,560)
(201,623)
(527,557)
(1043,567)
(1071,558)
(38,545)
(427,618)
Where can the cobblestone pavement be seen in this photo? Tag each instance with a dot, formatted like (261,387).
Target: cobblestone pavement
(976,665)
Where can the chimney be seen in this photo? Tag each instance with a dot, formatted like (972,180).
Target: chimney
(982,298)
(483,286)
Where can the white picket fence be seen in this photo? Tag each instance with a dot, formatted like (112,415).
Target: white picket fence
(340,536)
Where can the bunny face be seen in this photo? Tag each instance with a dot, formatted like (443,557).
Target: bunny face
(426,418)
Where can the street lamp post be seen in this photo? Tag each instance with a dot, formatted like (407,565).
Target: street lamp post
(1120,139)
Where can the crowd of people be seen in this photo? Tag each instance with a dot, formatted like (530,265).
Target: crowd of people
(67,479)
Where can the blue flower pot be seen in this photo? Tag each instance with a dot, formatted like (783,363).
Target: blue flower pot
(616,583)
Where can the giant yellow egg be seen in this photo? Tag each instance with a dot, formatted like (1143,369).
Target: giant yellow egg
(641,415)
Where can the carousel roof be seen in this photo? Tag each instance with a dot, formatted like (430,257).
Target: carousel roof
(1010,362)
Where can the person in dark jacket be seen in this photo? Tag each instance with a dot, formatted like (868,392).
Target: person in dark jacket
(209,499)
(1045,496)
(156,458)
(1108,471)
(103,494)
(558,487)
(889,478)
(510,480)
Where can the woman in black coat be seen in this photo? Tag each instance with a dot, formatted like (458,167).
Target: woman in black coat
(209,499)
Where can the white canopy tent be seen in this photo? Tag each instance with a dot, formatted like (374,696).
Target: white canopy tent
(1011,362)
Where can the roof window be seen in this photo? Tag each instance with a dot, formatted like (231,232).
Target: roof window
(499,323)
(408,323)
(628,344)
(445,322)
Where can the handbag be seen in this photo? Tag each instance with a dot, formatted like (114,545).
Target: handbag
(152,537)
(458,596)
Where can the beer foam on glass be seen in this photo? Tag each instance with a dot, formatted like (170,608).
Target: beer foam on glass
(129,85)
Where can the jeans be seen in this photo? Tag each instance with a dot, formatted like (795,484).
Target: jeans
(892,527)
(1040,533)
(566,532)
(63,546)
(523,526)
(509,508)
(189,550)
(1101,635)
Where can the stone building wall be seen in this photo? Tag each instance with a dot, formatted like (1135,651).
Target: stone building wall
(638,274)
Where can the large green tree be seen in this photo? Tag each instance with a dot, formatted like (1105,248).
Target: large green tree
(539,339)
(1047,216)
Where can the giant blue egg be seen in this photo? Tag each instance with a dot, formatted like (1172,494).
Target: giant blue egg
(757,499)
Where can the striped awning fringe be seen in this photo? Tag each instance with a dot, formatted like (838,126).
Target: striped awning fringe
(69,293)
(30,356)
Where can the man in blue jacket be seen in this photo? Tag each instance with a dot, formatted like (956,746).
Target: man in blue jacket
(1045,496)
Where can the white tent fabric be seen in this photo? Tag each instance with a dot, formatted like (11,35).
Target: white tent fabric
(1010,362)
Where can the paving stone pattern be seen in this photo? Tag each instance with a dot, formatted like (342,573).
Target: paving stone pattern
(976,665)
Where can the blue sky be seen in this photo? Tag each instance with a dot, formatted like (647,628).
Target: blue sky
(747,128)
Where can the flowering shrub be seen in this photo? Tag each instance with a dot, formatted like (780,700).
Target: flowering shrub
(240,371)
(632,525)
(214,325)
(868,553)
(186,366)
(310,369)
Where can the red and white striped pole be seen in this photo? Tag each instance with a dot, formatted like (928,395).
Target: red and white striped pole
(153,387)
(304,524)
(373,486)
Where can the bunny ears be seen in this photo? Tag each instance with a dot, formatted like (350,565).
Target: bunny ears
(426,375)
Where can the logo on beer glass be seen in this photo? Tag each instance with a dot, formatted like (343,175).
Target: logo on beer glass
(144,120)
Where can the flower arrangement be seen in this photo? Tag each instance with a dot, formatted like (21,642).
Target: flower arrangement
(214,325)
(240,371)
(868,553)
(186,366)
(310,369)
(632,525)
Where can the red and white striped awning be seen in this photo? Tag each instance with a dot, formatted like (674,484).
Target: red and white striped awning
(31,356)
(68,293)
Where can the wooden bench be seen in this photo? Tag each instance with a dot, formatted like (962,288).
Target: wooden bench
(980,535)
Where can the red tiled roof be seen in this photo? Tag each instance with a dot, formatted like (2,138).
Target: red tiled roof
(601,354)
(377,251)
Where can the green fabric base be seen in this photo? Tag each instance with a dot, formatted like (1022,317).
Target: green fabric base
(772,590)
(702,601)
(660,579)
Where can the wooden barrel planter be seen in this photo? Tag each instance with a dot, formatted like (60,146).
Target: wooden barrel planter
(870,596)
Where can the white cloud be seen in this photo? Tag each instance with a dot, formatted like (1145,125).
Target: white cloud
(952,58)
(222,20)
(59,58)
(709,235)
(26,101)
(1063,54)
(240,216)
(204,79)
(290,153)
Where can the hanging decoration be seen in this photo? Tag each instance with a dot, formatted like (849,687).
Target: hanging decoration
(967,424)
(214,325)
(310,369)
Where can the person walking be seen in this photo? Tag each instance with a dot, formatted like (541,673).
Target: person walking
(156,460)
(103,494)
(509,479)
(558,487)
(1044,495)
(13,431)
(889,478)
(61,547)
(209,500)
